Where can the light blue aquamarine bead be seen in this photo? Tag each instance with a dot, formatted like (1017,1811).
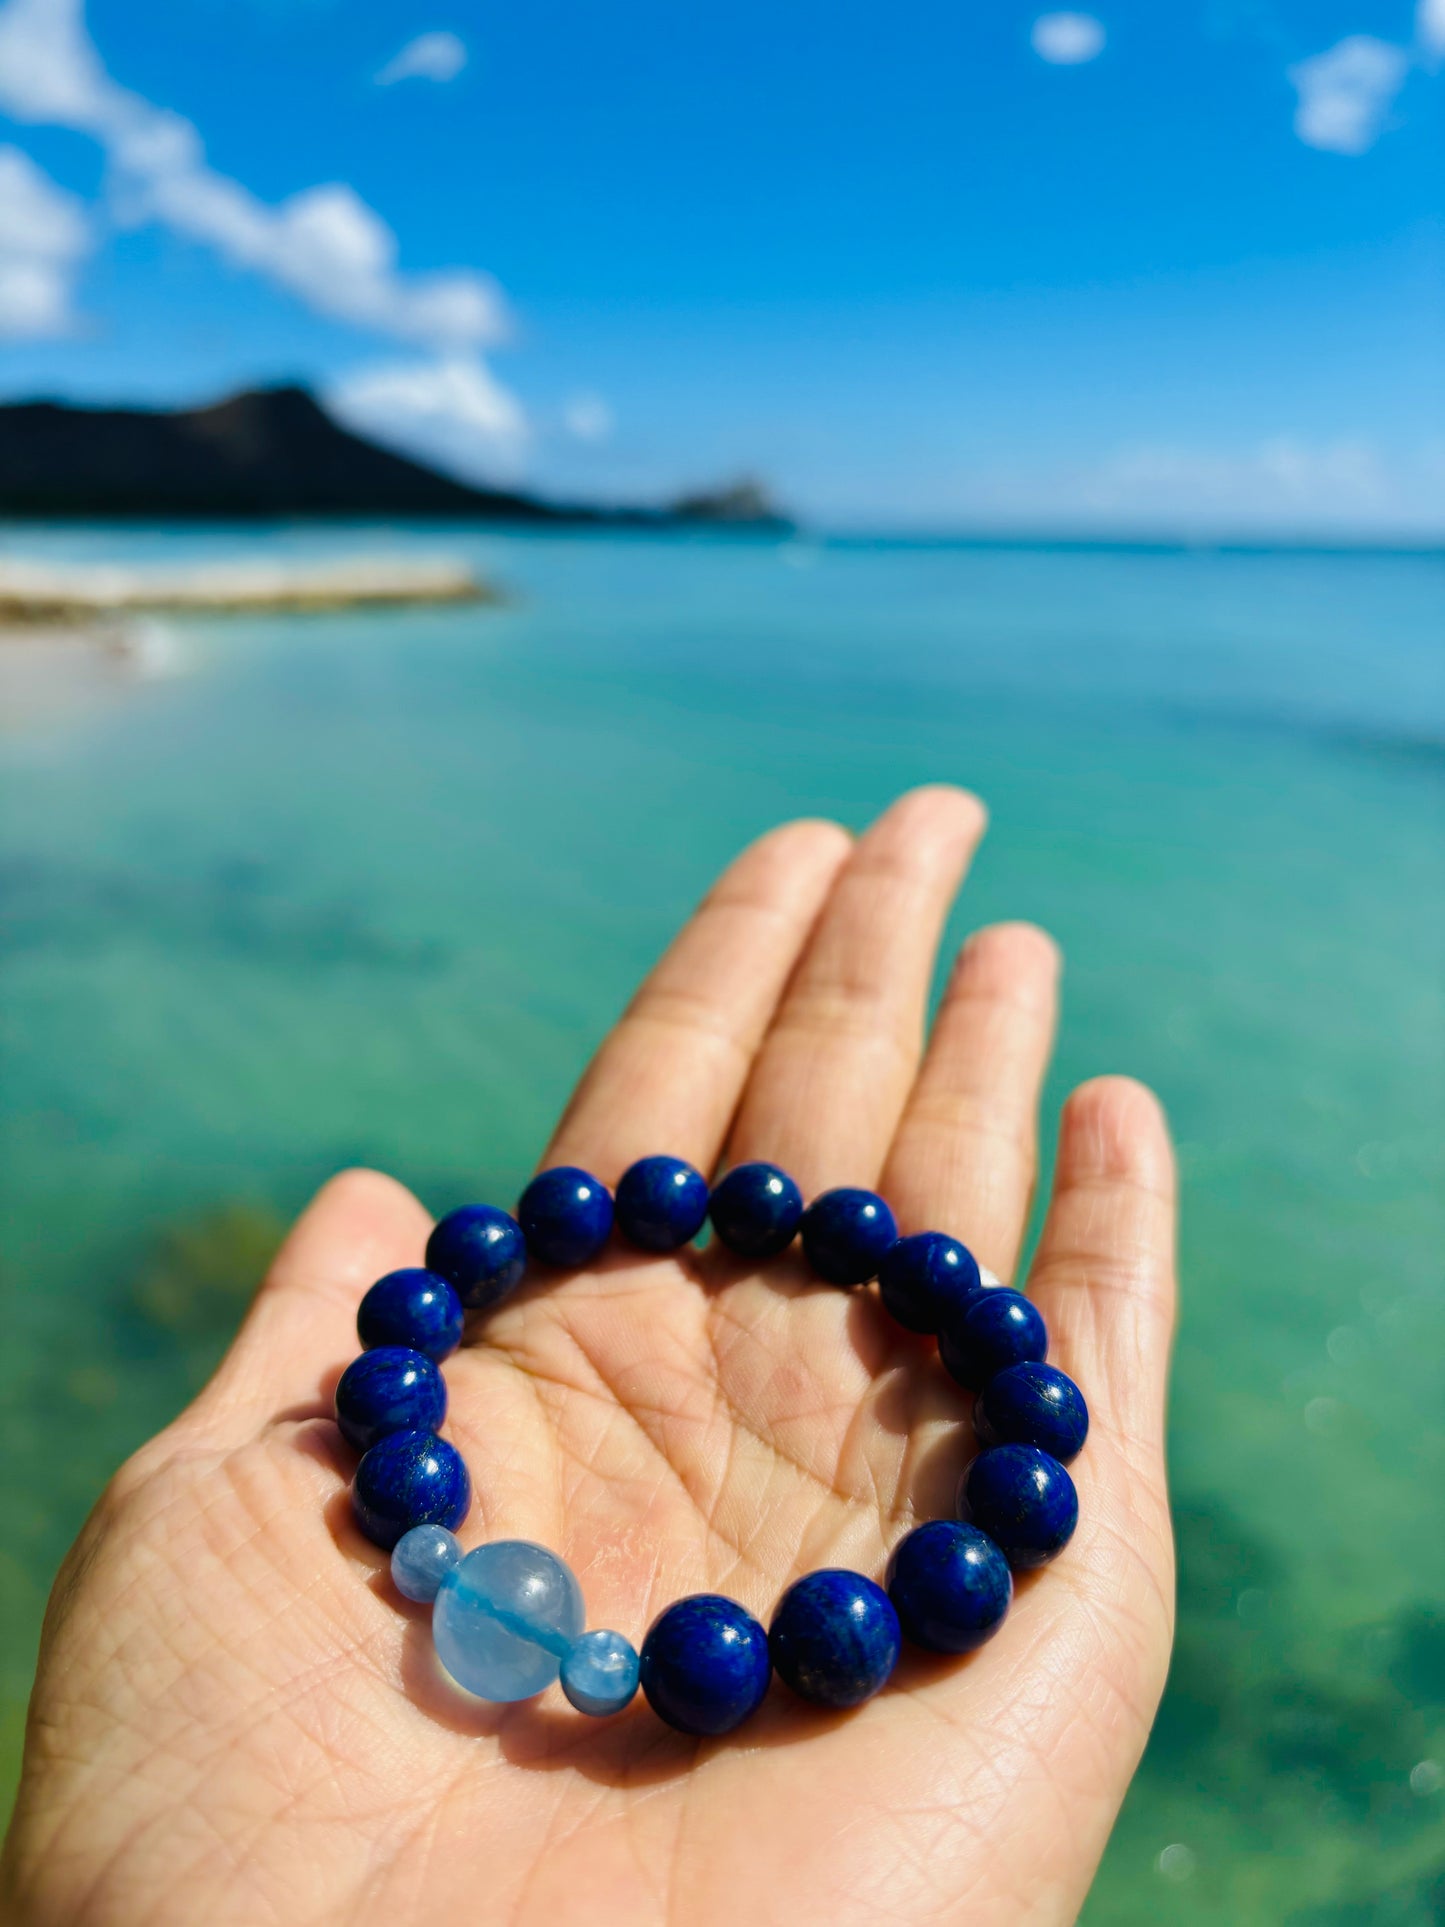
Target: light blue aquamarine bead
(505,1618)
(599,1675)
(421,1559)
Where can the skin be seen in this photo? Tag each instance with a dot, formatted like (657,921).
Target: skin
(237,1719)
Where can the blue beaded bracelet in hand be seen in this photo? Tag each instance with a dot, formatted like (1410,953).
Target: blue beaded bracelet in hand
(508,1618)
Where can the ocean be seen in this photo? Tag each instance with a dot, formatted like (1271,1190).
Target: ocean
(287,893)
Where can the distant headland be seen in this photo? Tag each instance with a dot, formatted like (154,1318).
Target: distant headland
(276,453)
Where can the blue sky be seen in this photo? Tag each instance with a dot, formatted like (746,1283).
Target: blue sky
(944,263)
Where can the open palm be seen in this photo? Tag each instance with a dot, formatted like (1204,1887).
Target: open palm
(236,1718)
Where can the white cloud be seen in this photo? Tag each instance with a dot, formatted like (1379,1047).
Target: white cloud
(1067,39)
(324,244)
(49,71)
(431,56)
(453,412)
(1287,486)
(1280,480)
(1430,28)
(1346,93)
(44,234)
(36,216)
(588,418)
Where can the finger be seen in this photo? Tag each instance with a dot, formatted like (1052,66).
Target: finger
(669,1076)
(966,1152)
(302,1325)
(1103,1275)
(833,1072)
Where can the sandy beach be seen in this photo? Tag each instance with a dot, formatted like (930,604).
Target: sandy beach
(72,635)
(34,594)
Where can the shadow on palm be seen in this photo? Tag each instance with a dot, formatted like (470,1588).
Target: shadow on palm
(708,1434)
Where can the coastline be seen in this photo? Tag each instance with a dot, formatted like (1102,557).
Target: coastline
(73,635)
(35,595)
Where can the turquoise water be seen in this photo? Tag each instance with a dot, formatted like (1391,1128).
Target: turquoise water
(371,886)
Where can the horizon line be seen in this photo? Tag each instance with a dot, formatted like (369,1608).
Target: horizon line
(1061,535)
(799,536)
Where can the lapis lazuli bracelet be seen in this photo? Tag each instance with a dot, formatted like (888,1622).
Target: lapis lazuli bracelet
(508,1618)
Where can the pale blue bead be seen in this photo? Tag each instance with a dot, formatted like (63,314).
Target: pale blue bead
(505,1618)
(599,1675)
(422,1558)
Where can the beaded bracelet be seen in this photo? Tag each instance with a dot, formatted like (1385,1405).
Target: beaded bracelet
(507,1617)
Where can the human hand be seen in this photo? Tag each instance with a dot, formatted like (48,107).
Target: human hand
(236,1720)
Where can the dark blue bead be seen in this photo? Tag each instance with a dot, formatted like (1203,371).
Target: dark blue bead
(705,1664)
(756,1210)
(834,1638)
(409,1479)
(1023,1499)
(927,1281)
(392,1389)
(1033,1404)
(847,1234)
(414,1308)
(481,1252)
(661,1203)
(998,1329)
(950,1586)
(566,1217)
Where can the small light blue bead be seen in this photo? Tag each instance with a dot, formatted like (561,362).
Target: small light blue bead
(599,1675)
(421,1560)
(505,1618)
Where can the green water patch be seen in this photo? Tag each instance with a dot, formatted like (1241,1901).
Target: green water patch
(1296,1772)
(235,905)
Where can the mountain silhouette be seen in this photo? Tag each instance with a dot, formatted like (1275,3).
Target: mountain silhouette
(269,452)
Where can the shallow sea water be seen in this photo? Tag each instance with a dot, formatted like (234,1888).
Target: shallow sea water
(370,887)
